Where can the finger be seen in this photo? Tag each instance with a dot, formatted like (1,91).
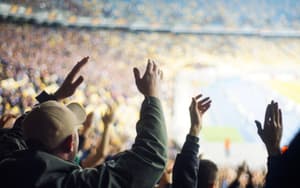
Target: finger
(7,117)
(155,67)
(203,100)
(267,113)
(162,75)
(6,120)
(198,96)
(137,74)
(276,113)
(204,104)
(259,128)
(78,81)
(159,72)
(149,66)
(273,113)
(280,118)
(77,68)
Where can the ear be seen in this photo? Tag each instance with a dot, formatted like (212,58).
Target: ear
(68,145)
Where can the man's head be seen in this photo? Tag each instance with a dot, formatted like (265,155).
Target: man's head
(207,174)
(52,126)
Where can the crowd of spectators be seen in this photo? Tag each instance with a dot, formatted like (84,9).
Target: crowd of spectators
(37,58)
(91,155)
(274,14)
(24,48)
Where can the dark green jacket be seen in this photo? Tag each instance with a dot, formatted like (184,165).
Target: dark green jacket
(139,167)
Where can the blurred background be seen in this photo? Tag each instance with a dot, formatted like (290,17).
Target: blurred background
(241,53)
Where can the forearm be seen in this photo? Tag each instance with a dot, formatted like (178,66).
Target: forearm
(96,158)
(151,126)
(150,147)
(143,165)
(275,169)
(103,145)
(235,183)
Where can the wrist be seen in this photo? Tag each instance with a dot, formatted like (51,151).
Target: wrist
(273,150)
(151,95)
(44,96)
(191,138)
(194,131)
(107,125)
(57,96)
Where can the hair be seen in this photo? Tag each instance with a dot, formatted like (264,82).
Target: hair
(207,173)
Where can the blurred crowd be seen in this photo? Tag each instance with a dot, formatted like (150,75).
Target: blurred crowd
(37,58)
(192,14)
(23,48)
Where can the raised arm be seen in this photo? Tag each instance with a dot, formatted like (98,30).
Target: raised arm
(185,172)
(271,134)
(96,158)
(69,85)
(149,152)
(67,89)
(144,163)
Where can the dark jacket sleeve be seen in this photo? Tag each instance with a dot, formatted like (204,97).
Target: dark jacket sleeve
(140,167)
(234,184)
(185,171)
(44,96)
(274,175)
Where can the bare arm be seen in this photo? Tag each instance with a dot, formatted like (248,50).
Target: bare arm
(96,158)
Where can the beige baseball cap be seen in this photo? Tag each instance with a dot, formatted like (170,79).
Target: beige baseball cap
(51,122)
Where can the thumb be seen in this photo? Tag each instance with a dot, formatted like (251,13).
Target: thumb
(259,128)
(136,73)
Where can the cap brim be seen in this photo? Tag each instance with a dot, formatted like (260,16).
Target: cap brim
(79,111)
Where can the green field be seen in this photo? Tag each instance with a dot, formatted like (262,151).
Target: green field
(220,133)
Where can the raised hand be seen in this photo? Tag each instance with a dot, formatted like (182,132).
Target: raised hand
(197,108)
(271,133)
(149,84)
(108,116)
(6,120)
(69,86)
(87,124)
